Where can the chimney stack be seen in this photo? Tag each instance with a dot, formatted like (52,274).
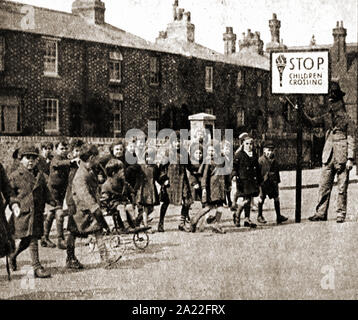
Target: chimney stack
(339,50)
(229,38)
(92,10)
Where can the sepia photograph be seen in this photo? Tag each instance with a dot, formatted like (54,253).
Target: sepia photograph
(178,154)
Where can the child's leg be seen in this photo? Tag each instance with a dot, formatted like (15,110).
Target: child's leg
(45,241)
(195,219)
(183,216)
(260,217)
(242,202)
(23,245)
(247,209)
(71,260)
(279,218)
(39,271)
(145,216)
(59,228)
(216,226)
(101,246)
(163,211)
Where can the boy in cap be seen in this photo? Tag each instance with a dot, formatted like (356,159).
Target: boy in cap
(28,204)
(271,179)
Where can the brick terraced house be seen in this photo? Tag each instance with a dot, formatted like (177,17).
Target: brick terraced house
(73,74)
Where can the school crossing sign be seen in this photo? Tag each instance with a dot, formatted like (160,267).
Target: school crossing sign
(300,72)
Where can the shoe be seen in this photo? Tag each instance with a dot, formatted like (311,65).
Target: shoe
(192,227)
(249,224)
(61,244)
(233,207)
(46,242)
(317,218)
(236,220)
(12,262)
(41,272)
(217,229)
(210,220)
(183,227)
(340,219)
(261,219)
(281,219)
(160,227)
(73,264)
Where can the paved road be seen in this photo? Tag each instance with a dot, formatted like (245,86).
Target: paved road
(293,261)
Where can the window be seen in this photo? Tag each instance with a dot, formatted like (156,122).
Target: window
(240,118)
(259,89)
(117,106)
(51,116)
(2,53)
(209,79)
(51,57)
(154,71)
(240,78)
(115,66)
(10,121)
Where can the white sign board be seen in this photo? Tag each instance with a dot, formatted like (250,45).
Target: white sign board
(300,72)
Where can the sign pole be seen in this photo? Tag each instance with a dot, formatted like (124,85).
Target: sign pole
(299,165)
(299,147)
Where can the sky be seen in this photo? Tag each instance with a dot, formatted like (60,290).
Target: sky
(300,19)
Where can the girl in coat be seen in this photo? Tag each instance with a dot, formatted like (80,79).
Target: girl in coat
(213,189)
(147,192)
(179,190)
(248,174)
(30,193)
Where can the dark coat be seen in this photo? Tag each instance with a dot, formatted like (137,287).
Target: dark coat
(115,192)
(195,176)
(58,179)
(5,230)
(31,192)
(131,169)
(44,165)
(86,196)
(213,182)
(147,193)
(5,190)
(270,173)
(179,188)
(248,173)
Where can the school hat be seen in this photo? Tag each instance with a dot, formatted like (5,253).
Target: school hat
(29,150)
(243,135)
(268,144)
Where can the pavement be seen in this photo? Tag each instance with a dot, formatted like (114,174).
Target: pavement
(307,260)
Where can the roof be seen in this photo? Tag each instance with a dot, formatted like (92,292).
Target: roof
(67,25)
(192,49)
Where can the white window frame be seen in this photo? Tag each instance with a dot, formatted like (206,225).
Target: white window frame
(259,89)
(57,129)
(209,73)
(154,70)
(117,97)
(13,102)
(240,112)
(115,59)
(240,79)
(52,41)
(2,53)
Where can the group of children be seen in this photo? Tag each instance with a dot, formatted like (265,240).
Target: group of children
(77,182)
